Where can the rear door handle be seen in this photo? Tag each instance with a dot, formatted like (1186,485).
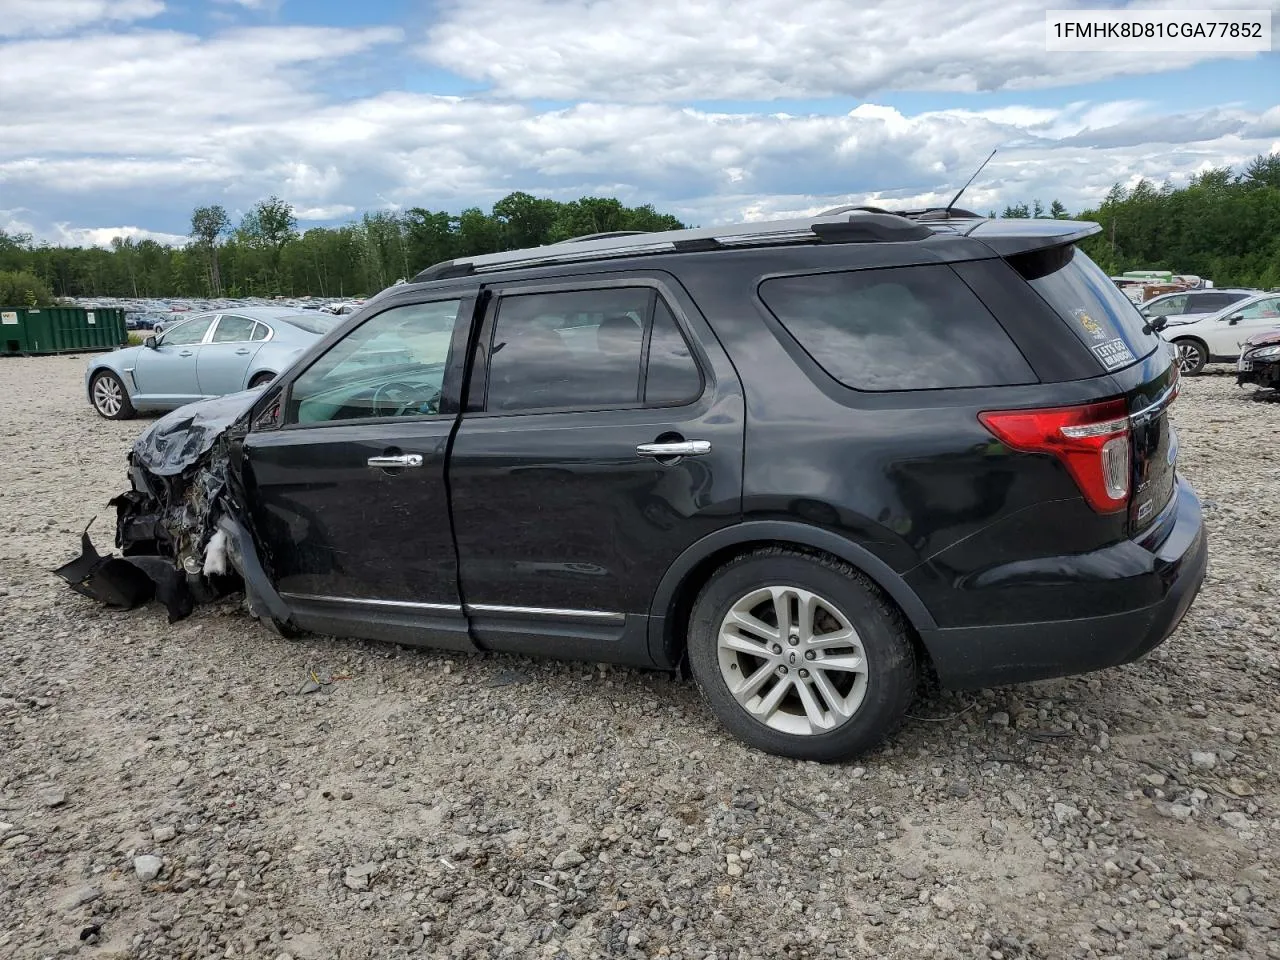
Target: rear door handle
(674,448)
(184,353)
(242,351)
(401,460)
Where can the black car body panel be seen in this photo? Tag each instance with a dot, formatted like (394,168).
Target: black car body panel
(556,530)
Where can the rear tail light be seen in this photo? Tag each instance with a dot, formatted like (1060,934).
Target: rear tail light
(1091,440)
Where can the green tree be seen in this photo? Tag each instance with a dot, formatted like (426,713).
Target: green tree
(1057,211)
(1263,171)
(208,224)
(21,288)
(266,230)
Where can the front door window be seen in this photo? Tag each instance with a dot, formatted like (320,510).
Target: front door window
(393,365)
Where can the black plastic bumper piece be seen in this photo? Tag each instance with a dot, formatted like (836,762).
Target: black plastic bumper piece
(261,595)
(976,657)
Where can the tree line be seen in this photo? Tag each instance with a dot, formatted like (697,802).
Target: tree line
(1223,225)
(266,255)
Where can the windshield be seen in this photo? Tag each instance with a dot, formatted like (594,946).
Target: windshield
(1104,319)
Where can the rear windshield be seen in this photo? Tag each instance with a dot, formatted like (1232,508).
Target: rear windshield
(1104,319)
(313,323)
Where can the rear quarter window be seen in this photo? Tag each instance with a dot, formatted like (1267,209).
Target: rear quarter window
(1078,290)
(905,328)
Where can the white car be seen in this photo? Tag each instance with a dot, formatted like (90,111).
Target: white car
(1218,337)
(1190,304)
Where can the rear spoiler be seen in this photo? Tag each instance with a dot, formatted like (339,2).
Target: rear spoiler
(1008,237)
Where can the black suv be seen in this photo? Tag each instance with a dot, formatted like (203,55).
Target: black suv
(808,459)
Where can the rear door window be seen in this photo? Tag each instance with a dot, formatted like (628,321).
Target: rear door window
(1078,290)
(905,328)
(232,329)
(588,350)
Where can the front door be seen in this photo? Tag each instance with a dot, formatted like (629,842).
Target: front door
(351,499)
(603,437)
(1261,316)
(166,375)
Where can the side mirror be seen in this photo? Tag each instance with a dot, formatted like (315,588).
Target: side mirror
(150,342)
(1235,318)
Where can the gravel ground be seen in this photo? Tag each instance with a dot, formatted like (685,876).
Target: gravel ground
(168,792)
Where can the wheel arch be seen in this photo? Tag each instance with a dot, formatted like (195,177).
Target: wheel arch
(1198,341)
(104,366)
(683,580)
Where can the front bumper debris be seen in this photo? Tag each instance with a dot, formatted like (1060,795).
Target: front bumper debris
(183,528)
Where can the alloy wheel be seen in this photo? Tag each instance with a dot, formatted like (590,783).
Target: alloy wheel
(792,660)
(108,396)
(1188,357)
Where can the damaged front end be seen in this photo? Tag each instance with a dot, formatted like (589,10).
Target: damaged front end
(183,528)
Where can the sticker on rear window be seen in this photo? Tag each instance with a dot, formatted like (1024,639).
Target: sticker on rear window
(1113,354)
(1088,324)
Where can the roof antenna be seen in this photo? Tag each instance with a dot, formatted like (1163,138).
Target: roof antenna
(947,208)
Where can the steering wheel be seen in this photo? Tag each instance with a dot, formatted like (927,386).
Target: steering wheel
(394,399)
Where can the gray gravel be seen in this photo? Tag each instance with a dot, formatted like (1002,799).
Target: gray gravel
(167,792)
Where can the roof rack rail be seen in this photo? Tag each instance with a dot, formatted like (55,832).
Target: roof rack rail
(943,213)
(861,226)
(599,236)
(929,213)
(852,208)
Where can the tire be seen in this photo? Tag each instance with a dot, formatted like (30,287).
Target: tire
(1192,356)
(261,379)
(109,397)
(856,710)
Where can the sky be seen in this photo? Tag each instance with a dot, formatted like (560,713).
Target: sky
(118,117)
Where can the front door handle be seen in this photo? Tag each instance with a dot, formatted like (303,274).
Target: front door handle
(395,462)
(674,448)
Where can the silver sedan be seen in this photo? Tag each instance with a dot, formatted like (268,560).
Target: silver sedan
(205,355)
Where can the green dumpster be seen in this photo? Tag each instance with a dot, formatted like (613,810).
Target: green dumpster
(40,330)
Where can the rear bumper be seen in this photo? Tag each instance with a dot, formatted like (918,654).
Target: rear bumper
(974,657)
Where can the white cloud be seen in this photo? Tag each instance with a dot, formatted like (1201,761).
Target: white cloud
(161,91)
(140,127)
(401,150)
(20,18)
(64,234)
(664,50)
(320,214)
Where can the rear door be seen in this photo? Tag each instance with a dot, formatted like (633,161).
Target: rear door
(167,374)
(603,436)
(224,360)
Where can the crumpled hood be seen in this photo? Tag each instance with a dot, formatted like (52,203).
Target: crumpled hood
(181,437)
(1267,336)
